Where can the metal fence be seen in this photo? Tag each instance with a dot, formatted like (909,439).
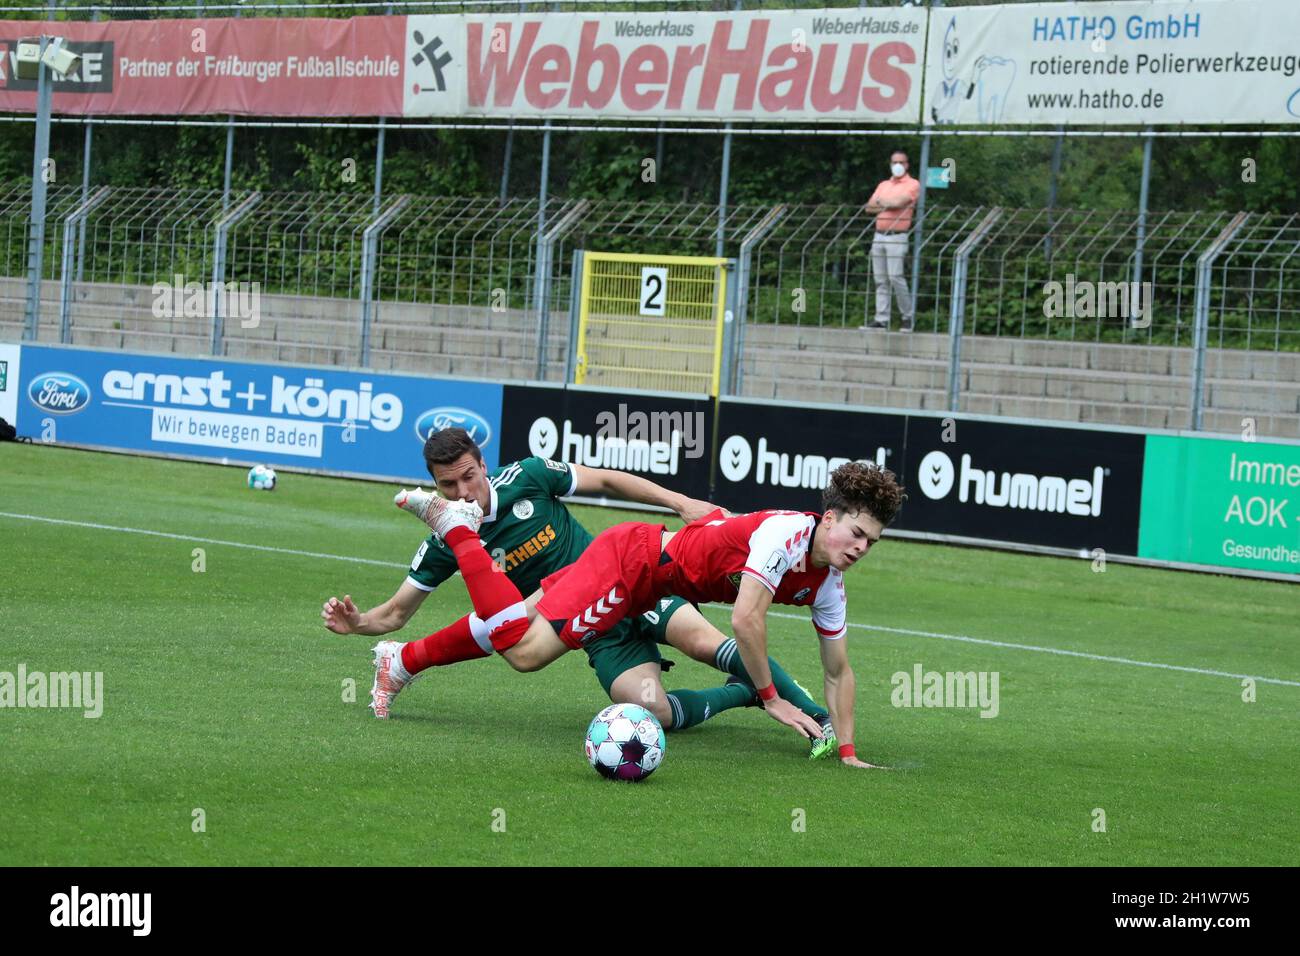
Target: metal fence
(453,285)
(814,268)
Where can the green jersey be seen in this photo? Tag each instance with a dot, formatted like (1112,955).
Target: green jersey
(528,531)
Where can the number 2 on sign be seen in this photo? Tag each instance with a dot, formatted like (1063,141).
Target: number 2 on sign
(654,285)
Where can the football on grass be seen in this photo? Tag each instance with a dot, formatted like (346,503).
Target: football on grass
(625,742)
(261,478)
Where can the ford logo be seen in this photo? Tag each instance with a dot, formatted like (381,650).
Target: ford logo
(436,419)
(58,392)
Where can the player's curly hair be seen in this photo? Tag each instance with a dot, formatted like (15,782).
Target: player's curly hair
(447,445)
(855,486)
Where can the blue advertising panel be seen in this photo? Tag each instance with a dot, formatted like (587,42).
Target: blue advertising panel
(319,419)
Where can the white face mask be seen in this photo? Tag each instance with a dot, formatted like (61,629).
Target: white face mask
(898,169)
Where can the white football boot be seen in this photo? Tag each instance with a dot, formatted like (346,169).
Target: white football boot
(390,677)
(440,514)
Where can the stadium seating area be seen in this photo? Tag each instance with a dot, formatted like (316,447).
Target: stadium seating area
(1134,385)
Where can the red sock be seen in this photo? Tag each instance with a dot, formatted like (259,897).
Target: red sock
(496,599)
(453,644)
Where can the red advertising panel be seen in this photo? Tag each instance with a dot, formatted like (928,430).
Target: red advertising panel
(282,67)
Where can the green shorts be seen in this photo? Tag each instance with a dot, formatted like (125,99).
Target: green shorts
(633,642)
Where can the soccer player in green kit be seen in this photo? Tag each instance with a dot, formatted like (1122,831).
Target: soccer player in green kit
(530,534)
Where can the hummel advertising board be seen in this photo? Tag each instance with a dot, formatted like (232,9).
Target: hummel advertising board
(1076,488)
(1069,488)
(666,439)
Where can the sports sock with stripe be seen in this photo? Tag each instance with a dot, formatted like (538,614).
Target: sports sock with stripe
(462,641)
(691,707)
(728,659)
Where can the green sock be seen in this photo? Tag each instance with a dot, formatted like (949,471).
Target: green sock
(728,659)
(691,707)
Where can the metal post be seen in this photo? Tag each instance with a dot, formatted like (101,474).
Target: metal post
(72,226)
(542,268)
(545,183)
(731,269)
(227,220)
(1143,191)
(36,227)
(230,150)
(544,254)
(957,316)
(379,168)
(575,301)
(505,164)
(724,184)
(722,191)
(659,153)
(1057,147)
(85,181)
(379,150)
(85,191)
(918,230)
(1201,311)
(369,257)
(756,235)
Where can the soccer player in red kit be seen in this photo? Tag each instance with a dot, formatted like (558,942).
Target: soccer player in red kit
(750,561)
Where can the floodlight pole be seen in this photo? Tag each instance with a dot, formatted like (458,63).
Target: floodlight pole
(36,226)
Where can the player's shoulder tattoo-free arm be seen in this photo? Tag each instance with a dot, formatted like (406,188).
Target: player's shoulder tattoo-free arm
(406,602)
(835,657)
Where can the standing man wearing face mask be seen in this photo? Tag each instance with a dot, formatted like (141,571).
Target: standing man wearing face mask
(892,202)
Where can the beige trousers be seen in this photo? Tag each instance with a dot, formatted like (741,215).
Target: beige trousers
(888,254)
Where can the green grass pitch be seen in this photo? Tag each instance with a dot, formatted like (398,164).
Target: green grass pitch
(223,693)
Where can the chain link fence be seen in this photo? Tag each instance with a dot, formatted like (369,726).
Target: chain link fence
(1174,320)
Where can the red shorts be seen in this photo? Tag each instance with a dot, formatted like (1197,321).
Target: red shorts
(616,577)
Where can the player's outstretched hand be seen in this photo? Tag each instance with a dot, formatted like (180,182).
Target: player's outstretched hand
(855,762)
(790,715)
(341,617)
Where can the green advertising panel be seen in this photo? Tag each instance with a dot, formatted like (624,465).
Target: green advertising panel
(1230,503)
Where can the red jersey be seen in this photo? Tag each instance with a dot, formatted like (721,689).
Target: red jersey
(709,557)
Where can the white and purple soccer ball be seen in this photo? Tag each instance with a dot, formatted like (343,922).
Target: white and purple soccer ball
(625,742)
